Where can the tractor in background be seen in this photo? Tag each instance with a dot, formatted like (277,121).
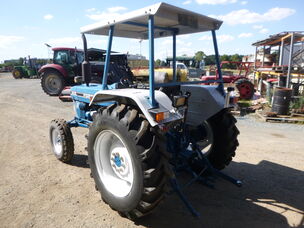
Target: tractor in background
(28,69)
(141,136)
(244,86)
(66,66)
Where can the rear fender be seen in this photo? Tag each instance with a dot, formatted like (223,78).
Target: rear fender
(205,101)
(56,67)
(139,98)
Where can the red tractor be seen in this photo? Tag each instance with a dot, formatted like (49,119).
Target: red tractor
(67,65)
(242,83)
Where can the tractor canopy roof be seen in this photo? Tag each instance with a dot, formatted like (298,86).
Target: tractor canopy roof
(65,49)
(167,18)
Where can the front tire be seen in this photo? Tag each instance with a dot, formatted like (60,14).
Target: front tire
(61,140)
(17,74)
(126,163)
(52,83)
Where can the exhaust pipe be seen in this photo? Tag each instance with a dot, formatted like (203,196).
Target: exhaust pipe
(86,67)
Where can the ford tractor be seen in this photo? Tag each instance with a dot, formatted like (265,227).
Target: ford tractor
(141,136)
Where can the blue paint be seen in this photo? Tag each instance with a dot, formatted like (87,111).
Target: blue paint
(117,161)
(174,56)
(217,59)
(79,122)
(107,62)
(152,100)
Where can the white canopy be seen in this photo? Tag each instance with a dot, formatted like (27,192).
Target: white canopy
(165,16)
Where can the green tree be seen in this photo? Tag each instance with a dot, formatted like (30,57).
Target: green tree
(163,63)
(158,62)
(199,56)
(236,58)
(20,62)
(209,60)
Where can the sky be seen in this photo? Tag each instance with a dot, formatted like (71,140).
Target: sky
(25,26)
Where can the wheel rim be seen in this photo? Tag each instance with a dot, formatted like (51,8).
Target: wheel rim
(53,83)
(17,73)
(205,145)
(114,163)
(57,143)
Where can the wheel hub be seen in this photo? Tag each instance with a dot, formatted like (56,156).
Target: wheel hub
(53,83)
(118,163)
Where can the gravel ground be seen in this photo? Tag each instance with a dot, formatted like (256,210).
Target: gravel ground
(36,190)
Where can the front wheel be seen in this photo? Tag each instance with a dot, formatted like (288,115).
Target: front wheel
(61,140)
(52,83)
(126,162)
(17,74)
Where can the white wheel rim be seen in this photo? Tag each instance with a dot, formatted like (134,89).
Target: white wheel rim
(53,83)
(57,142)
(113,163)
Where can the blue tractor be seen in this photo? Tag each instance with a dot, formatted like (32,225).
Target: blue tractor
(140,136)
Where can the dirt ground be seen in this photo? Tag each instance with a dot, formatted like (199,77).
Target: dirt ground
(36,190)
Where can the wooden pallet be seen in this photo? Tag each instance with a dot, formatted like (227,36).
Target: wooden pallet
(282,119)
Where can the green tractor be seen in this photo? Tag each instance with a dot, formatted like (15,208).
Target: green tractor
(28,69)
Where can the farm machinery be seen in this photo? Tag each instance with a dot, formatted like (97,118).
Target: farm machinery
(28,69)
(140,137)
(244,86)
(67,65)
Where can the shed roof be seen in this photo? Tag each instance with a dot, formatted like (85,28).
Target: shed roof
(166,18)
(275,40)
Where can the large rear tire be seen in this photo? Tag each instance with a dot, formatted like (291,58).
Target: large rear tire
(217,138)
(52,83)
(126,161)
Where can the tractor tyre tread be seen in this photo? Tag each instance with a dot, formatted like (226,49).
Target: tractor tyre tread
(150,156)
(67,139)
(225,139)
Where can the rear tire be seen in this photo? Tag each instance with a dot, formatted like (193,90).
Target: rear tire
(126,162)
(219,135)
(61,140)
(52,83)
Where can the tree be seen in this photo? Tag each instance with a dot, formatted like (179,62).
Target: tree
(158,62)
(199,56)
(163,63)
(209,60)
(21,60)
(236,58)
